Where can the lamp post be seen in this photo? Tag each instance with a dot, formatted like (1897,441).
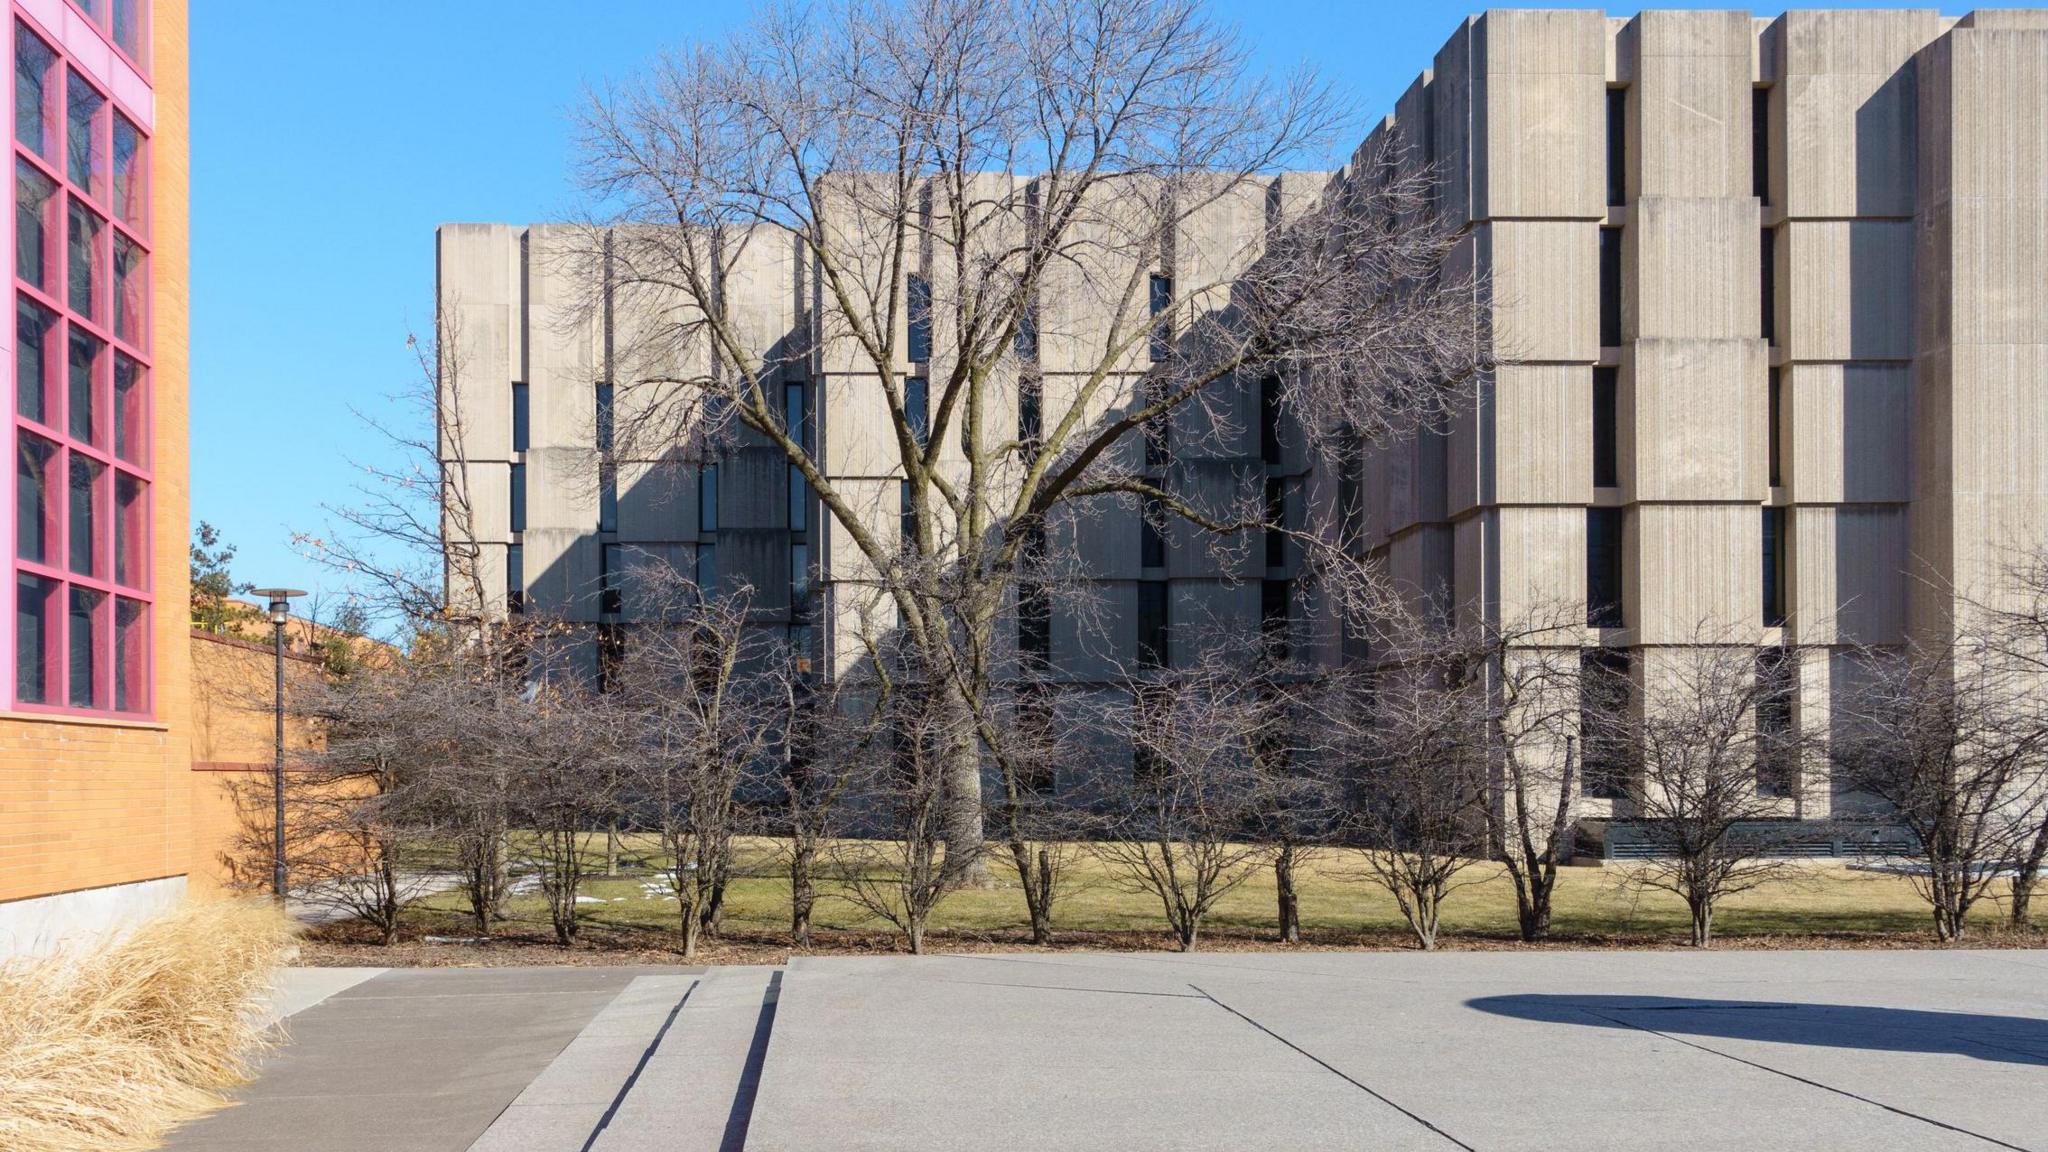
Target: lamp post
(280,611)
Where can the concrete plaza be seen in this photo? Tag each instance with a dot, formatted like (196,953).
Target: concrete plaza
(1488,1051)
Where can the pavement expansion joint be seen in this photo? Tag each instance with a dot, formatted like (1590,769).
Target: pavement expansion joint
(1811,1083)
(1337,1072)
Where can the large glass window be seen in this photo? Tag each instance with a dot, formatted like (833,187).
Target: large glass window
(919,298)
(1606,428)
(33,328)
(131,292)
(917,394)
(81,388)
(1617,145)
(83,261)
(35,230)
(517,497)
(84,160)
(82,374)
(1606,747)
(1774,567)
(1610,287)
(33,61)
(130,189)
(35,514)
(1161,339)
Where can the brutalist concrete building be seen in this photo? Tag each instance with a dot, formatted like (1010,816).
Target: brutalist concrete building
(1769,298)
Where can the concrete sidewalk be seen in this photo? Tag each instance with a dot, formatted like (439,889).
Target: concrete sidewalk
(1642,1051)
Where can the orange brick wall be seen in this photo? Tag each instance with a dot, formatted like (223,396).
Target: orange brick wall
(86,804)
(233,743)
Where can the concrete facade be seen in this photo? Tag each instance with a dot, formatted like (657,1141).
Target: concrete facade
(1770,324)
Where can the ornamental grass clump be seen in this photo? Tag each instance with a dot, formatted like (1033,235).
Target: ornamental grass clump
(110,1048)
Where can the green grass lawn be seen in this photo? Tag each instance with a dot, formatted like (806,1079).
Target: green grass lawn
(1832,903)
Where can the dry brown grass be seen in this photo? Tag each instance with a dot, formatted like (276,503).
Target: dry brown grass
(111,1048)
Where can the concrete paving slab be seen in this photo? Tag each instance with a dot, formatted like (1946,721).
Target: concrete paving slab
(574,1097)
(409,1061)
(696,1092)
(297,989)
(1474,1050)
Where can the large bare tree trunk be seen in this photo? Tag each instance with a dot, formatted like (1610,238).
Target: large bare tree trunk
(1289,898)
(966,848)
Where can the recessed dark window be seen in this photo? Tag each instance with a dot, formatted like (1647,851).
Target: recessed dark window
(518,497)
(918,295)
(1276,599)
(1152,623)
(1162,324)
(1606,428)
(1276,523)
(515,579)
(1603,568)
(1269,420)
(1610,287)
(1152,534)
(1617,145)
(1774,567)
(1760,143)
(1775,420)
(1605,749)
(1769,294)
(917,409)
(1777,761)
(522,417)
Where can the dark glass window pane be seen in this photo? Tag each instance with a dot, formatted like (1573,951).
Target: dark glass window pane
(607,498)
(128,27)
(34,638)
(131,291)
(81,134)
(131,655)
(522,417)
(1269,420)
(1162,328)
(1760,143)
(611,577)
(1769,294)
(799,578)
(1603,568)
(1152,534)
(917,409)
(1610,287)
(32,329)
(1774,566)
(1276,523)
(1027,335)
(1606,428)
(518,497)
(83,646)
(1030,412)
(604,418)
(84,526)
(1777,766)
(919,298)
(1152,624)
(515,579)
(707,568)
(1275,616)
(81,392)
(131,528)
(707,498)
(131,419)
(1774,419)
(84,261)
(35,516)
(793,416)
(34,226)
(32,61)
(130,177)
(1617,145)
(799,499)
(1604,731)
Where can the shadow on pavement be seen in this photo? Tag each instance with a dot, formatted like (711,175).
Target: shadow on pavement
(2012,1039)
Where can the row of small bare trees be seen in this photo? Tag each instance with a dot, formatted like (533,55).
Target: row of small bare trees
(1454,746)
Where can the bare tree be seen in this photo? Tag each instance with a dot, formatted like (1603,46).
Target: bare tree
(1706,751)
(705,701)
(904,792)
(1180,830)
(1413,726)
(979,195)
(2017,625)
(1945,733)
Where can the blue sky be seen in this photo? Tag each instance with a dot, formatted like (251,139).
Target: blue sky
(329,139)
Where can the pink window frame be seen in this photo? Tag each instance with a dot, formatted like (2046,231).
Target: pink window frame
(66,69)
(106,27)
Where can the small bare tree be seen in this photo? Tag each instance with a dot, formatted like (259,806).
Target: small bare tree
(557,742)
(2018,628)
(1181,829)
(1946,735)
(904,793)
(1413,726)
(1706,752)
(705,699)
